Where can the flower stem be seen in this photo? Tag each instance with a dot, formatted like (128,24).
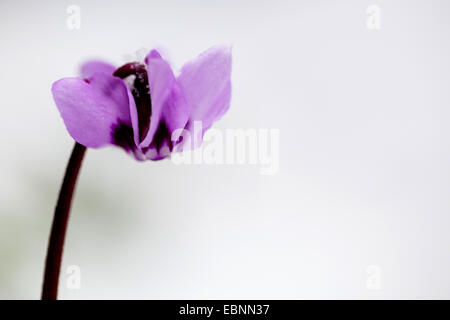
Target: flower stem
(59,226)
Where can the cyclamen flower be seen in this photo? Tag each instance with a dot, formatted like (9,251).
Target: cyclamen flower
(139,107)
(143,108)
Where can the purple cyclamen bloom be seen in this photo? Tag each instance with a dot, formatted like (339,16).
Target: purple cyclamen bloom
(139,107)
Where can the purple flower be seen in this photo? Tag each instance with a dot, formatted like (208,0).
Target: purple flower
(139,107)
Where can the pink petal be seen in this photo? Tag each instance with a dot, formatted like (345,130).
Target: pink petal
(89,68)
(206,84)
(92,108)
(169,108)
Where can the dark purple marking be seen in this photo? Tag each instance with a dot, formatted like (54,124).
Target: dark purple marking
(162,138)
(123,136)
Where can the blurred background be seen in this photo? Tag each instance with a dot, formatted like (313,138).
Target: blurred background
(359,207)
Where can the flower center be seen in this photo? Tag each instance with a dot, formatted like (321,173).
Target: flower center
(141,94)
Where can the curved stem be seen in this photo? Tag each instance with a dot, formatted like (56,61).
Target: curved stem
(59,226)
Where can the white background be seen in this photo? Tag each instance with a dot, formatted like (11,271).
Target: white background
(364,174)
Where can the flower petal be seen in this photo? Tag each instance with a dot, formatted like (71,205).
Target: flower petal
(92,109)
(206,84)
(169,108)
(89,68)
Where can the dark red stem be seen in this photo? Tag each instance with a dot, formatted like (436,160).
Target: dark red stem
(59,226)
